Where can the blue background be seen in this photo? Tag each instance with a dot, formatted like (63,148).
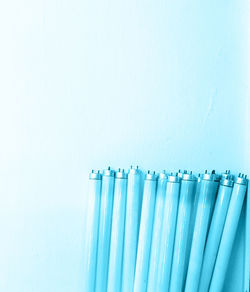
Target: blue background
(87,84)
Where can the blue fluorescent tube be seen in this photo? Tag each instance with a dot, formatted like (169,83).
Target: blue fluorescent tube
(91,232)
(117,232)
(132,224)
(145,234)
(228,235)
(208,190)
(168,233)
(192,220)
(215,232)
(157,231)
(106,209)
(247,245)
(184,212)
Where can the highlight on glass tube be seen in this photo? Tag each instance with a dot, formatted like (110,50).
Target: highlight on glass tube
(228,235)
(157,231)
(106,210)
(168,233)
(215,232)
(145,234)
(91,231)
(132,223)
(178,272)
(117,232)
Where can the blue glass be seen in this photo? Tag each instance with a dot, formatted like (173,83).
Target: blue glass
(192,220)
(106,209)
(207,196)
(117,232)
(183,220)
(168,233)
(247,245)
(157,232)
(214,235)
(133,209)
(145,234)
(228,235)
(91,232)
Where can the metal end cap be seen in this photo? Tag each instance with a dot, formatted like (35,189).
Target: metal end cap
(95,175)
(121,174)
(179,173)
(210,176)
(108,172)
(134,170)
(241,179)
(188,176)
(225,174)
(151,175)
(174,178)
(163,175)
(226,182)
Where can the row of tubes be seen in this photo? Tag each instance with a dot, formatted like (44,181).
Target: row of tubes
(160,232)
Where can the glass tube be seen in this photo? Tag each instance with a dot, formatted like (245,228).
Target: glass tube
(247,245)
(184,212)
(208,190)
(157,231)
(132,224)
(145,234)
(168,233)
(215,232)
(228,235)
(117,232)
(91,232)
(106,209)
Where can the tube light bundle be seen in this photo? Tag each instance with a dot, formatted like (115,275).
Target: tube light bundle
(160,232)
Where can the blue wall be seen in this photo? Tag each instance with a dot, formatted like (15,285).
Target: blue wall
(86,84)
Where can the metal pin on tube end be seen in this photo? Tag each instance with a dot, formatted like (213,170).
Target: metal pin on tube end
(95,175)
(188,176)
(134,170)
(210,176)
(226,174)
(163,175)
(151,175)
(121,174)
(108,172)
(241,179)
(179,174)
(174,178)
